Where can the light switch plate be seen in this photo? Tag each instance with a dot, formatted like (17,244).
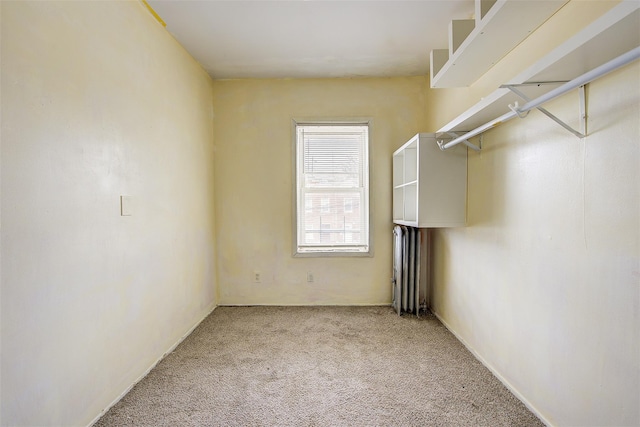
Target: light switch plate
(126,205)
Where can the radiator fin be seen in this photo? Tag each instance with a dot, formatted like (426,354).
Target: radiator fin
(406,269)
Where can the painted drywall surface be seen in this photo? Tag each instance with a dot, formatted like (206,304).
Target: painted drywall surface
(254,192)
(544,282)
(98,101)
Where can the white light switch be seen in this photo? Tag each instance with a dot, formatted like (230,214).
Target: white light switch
(126,205)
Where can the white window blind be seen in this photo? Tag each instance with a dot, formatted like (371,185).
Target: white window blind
(332,188)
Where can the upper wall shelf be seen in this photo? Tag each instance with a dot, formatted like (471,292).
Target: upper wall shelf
(613,34)
(475,45)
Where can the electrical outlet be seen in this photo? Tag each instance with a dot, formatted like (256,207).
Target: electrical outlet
(309,277)
(256,277)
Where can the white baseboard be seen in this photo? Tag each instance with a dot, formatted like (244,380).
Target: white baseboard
(373,304)
(153,365)
(497,374)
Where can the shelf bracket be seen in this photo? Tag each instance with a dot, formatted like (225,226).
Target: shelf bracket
(474,147)
(583,117)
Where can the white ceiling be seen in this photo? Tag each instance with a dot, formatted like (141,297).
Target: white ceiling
(297,39)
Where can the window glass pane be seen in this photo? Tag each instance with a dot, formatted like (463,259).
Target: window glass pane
(332,160)
(337,155)
(348,204)
(325,205)
(331,226)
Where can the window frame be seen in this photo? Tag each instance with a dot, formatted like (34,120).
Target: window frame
(297,204)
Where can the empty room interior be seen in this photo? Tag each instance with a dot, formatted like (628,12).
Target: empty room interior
(476,170)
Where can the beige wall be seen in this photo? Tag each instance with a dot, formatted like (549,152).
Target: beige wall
(98,101)
(543,283)
(254,185)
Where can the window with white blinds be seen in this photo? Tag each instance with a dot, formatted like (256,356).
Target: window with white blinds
(332,188)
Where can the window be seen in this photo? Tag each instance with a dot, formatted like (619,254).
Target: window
(332,172)
(324,205)
(348,237)
(348,205)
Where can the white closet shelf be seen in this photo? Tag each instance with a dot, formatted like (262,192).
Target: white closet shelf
(473,49)
(611,35)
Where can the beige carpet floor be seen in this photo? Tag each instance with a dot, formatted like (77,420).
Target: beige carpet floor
(319,366)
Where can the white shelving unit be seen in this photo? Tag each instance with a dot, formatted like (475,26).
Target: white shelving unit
(613,34)
(429,185)
(475,45)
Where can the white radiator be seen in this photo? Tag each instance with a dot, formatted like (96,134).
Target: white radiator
(406,269)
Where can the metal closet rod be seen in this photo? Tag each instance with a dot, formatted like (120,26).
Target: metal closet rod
(587,77)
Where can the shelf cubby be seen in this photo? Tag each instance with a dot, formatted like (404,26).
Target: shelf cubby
(429,185)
